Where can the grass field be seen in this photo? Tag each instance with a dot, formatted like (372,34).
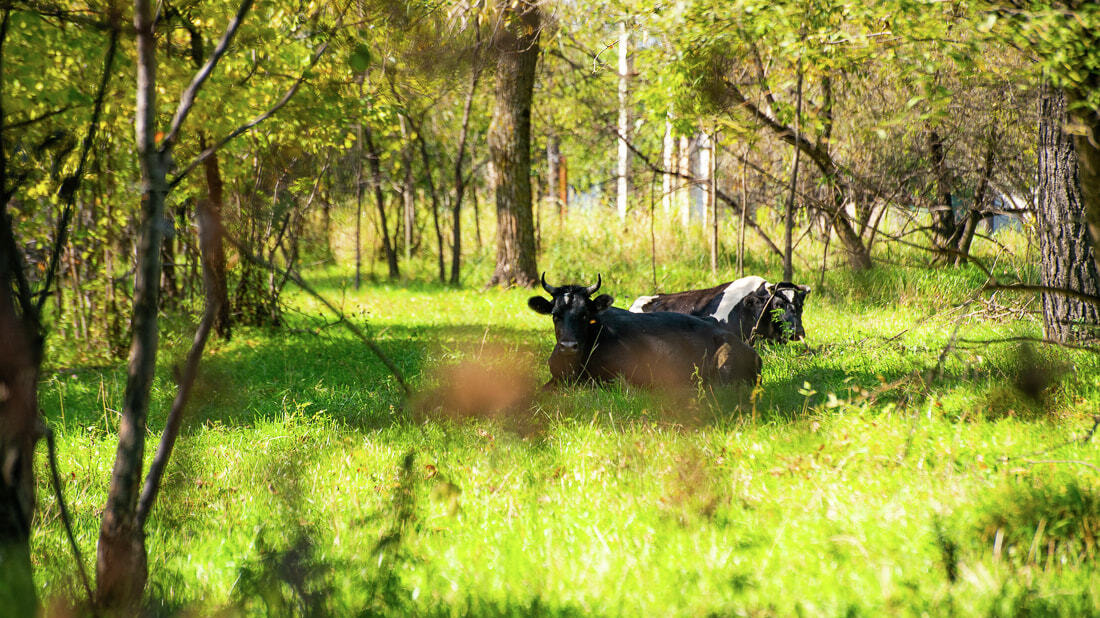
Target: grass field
(877,470)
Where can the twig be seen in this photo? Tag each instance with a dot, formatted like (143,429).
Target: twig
(1022,339)
(355,330)
(175,416)
(287,96)
(51,448)
(1060,461)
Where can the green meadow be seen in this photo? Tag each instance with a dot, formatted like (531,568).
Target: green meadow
(911,457)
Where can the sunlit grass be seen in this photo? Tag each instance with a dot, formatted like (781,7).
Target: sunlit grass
(864,477)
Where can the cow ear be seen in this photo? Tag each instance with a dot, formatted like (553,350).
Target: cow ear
(805,290)
(754,300)
(603,301)
(540,305)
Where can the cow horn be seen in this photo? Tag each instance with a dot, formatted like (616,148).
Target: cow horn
(592,288)
(551,290)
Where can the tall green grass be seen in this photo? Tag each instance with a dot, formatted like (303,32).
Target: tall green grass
(886,466)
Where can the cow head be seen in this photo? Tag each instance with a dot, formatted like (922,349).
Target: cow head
(775,311)
(575,313)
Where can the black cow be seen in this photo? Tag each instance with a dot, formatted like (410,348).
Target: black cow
(598,342)
(750,307)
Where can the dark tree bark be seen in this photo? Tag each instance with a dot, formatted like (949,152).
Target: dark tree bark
(976,212)
(943,214)
(858,252)
(1087,144)
(211,245)
(460,175)
(516,43)
(1068,258)
(20,425)
(121,568)
(121,561)
(374,159)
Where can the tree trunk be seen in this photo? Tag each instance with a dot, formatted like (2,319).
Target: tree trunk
(976,212)
(622,184)
(460,177)
(211,246)
(20,428)
(121,568)
(1088,152)
(943,214)
(359,204)
(1068,259)
(553,160)
(788,219)
(517,45)
(374,159)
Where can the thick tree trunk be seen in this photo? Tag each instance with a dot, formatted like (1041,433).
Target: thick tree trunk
(211,245)
(121,568)
(516,43)
(943,214)
(1088,152)
(1068,258)
(20,428)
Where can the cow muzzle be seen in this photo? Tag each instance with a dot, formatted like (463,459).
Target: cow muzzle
(569,347)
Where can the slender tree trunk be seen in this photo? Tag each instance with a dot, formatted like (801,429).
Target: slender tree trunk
(408,200)
(788,221)
(741,224)
(374,159)
(517,45)
(358,204)
(121,568)
(712,203)
(622,184)
(460,177)
(211,245)
(1068,256)
(965,233)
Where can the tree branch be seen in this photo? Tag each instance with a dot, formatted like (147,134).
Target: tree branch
(355,330)
(187,99)
(287,96)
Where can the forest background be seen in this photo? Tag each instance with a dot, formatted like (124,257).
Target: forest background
(292,241)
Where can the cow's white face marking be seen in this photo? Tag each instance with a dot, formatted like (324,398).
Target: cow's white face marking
(642,301)
(789,294)
(733,294)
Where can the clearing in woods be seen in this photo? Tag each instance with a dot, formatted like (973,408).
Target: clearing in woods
(872,472)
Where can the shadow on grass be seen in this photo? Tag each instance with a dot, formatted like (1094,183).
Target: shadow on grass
(268,376)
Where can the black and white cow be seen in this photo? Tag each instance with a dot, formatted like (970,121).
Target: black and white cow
(750,307)
(598,342)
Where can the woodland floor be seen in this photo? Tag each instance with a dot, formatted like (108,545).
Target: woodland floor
(875,471)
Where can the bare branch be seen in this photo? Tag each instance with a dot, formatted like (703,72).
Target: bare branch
(175,417)
(355,330)
(187,99)
(1024,287)
(287,96)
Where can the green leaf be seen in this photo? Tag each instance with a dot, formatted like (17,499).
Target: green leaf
(359,59)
